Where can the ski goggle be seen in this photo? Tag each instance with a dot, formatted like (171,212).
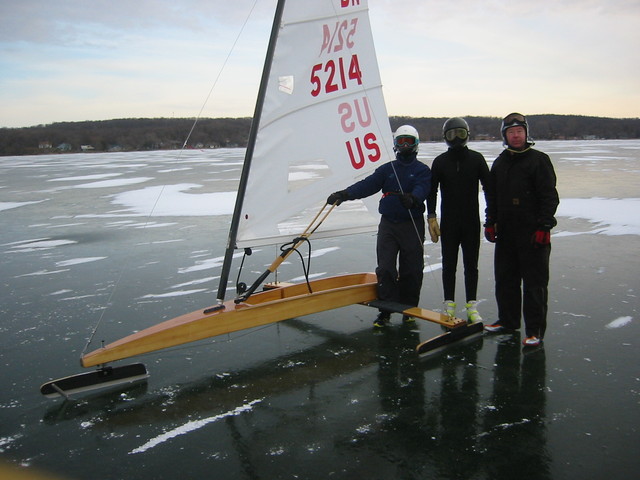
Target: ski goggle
(460,133)
(405,141)
(514,119)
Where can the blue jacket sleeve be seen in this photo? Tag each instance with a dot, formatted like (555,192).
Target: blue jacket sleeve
(369,185)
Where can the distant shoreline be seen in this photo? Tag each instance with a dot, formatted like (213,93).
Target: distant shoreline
(144,134)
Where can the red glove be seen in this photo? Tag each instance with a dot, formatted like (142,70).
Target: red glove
(490,232)
(541,238)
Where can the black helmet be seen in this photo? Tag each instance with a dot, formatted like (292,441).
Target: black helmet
(455,132)
(515,119)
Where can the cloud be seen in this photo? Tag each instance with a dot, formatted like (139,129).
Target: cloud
(487,57)
(74,60)
(78,60)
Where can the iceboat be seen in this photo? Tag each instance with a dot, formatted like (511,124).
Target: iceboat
(320,104)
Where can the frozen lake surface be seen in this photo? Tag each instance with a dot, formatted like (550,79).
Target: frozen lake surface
(125,240)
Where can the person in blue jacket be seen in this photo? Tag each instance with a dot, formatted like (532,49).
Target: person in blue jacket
(405,183)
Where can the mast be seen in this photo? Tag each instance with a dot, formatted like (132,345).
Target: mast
(255,124)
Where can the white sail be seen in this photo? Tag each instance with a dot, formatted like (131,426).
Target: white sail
(324,124)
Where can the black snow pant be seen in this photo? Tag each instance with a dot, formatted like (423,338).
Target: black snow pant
(518,263)
(400,244)
(456,235)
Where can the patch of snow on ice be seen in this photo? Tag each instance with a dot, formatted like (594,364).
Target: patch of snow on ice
(43,244)
(194,282)
(114,183)
(207,264)
(10,205)
(433,267)
(82,178)
(6,442)
(619,322)
(203,265)
(276,450)
(42,272)
(77,261)
(363,429)
(171,200)
(174,294)
(192,426)
(612,216)
(323,251)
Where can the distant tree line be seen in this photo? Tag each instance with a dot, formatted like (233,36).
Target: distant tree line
(136,134)
(131,134)
(542,127)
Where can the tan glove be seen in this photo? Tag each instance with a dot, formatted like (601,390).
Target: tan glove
(434,229)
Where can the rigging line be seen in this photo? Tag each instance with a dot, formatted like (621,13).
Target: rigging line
(419,237)
(193,126)
(102,314)
(215,82)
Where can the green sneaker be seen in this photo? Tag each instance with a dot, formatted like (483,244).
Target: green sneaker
(408,319)
(472,312)
(382,320)
(449,308)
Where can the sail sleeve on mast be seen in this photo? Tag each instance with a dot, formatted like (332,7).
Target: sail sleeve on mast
(323,125)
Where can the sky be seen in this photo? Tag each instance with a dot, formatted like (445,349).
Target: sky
(75,60)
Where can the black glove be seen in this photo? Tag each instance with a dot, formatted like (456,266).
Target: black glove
(409,201)
(338,197)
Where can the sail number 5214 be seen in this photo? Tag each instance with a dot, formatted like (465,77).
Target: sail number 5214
(335,75)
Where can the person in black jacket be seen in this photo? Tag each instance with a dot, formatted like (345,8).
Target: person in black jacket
(457,172)
(405,184)
(521,204)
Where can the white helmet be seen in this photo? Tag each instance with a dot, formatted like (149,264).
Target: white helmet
(406,139)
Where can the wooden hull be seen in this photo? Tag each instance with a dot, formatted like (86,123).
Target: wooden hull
(260,309)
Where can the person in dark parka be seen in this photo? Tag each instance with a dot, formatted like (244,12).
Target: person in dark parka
(521,206)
